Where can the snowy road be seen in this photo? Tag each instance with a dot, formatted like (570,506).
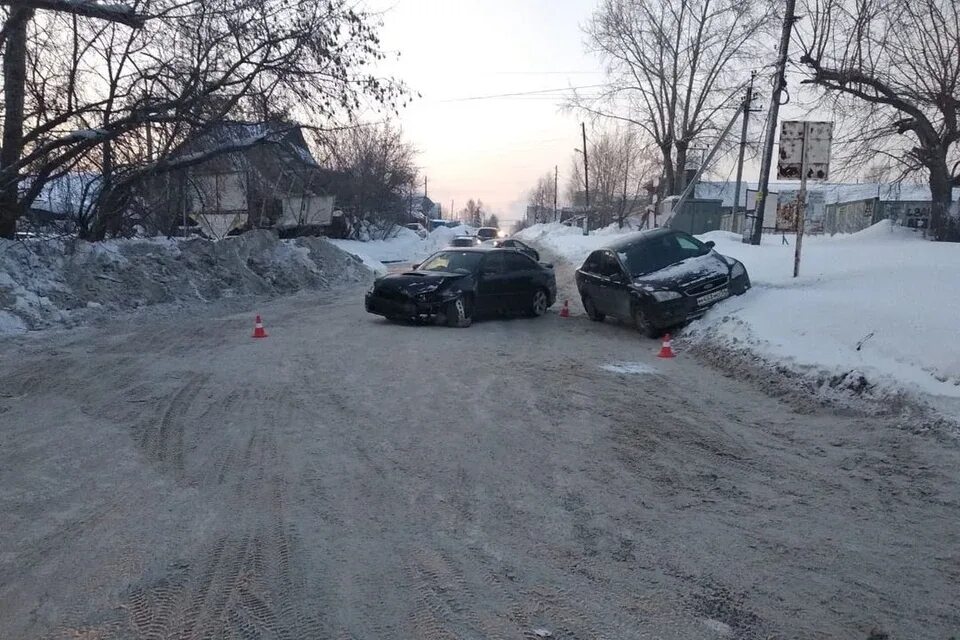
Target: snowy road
(349,478)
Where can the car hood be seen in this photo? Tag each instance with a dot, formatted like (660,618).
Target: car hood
(415,281)
(685,274)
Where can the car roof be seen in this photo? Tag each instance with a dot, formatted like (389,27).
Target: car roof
(479,248)
(639,236)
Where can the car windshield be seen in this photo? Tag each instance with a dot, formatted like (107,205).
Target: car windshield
(453,262)
(652,254)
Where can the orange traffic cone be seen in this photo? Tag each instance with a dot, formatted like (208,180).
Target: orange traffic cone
(666,350)
(258,331)
(565,310)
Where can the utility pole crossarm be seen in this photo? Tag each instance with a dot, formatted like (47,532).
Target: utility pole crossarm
(118,13)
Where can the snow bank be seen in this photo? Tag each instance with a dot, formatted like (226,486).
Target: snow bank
(44,284)
(882,301)
(881,304)
(569,243)
(405,246)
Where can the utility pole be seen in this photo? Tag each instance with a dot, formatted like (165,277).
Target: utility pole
(586,180)
(778,84)
(747,102)
(556,178)
(623,202)
(424,186)
(802,197)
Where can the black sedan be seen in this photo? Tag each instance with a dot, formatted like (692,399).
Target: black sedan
(510,243)
(455,285)
(657,279)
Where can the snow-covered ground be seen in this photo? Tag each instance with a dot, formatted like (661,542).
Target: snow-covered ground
(405,246)
(883,302)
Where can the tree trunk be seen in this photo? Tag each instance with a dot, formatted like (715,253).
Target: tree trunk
(669,187)
(941,197)
(14,79)
(680,172)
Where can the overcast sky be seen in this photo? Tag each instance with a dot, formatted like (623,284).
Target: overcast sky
(493,149)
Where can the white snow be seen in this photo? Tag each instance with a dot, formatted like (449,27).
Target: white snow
(405,246)
(885,281)
(634,368)
(569,242)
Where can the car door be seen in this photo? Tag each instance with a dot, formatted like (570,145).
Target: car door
(589,281)
(491,284)
(616,287)
(521,279)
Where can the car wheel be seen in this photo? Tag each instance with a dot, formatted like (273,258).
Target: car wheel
(591,310)
(643,324)
(539,304)
(459,313)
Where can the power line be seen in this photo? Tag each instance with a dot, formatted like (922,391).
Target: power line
(524,93)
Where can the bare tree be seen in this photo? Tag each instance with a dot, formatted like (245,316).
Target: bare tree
(893,70)
(104,98)
(541,200)
(673,66)
(377,173)
(473,214)
(620,170)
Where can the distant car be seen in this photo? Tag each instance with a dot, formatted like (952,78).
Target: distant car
(418,228)
(465,241)
(454,286)
(510,243)
(488,233)
(657,279)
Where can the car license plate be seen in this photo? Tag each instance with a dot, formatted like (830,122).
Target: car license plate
(713,297)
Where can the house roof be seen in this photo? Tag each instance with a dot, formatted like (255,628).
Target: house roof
(68,194)
(288,136)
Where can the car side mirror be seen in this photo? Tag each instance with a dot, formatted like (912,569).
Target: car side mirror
(709,244)
(414,267)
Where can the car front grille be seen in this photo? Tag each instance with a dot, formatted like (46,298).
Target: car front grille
(709,285)
(398,295)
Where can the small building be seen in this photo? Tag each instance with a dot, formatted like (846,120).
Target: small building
(831,207)
(270,180)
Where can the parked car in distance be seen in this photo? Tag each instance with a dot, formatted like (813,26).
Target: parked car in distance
(418,228)
(454,286)
(488,233)
(465,241)
(657,279)
(510,243)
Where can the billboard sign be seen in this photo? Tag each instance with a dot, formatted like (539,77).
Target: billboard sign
(817,137)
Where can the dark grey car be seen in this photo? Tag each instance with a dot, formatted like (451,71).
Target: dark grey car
(657,279)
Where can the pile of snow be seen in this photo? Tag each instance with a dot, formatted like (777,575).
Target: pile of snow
(44,284)
(880,305)
(875,310)
(569,243)
(404,246)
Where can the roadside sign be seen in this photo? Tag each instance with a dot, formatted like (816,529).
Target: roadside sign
(804,155)
(797,136)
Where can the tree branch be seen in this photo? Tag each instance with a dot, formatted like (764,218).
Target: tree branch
(111,12)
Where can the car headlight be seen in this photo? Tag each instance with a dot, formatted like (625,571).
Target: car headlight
(427,290)
(663,296)
(737,270)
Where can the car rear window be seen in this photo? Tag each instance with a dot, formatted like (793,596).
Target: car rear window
(519,262)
